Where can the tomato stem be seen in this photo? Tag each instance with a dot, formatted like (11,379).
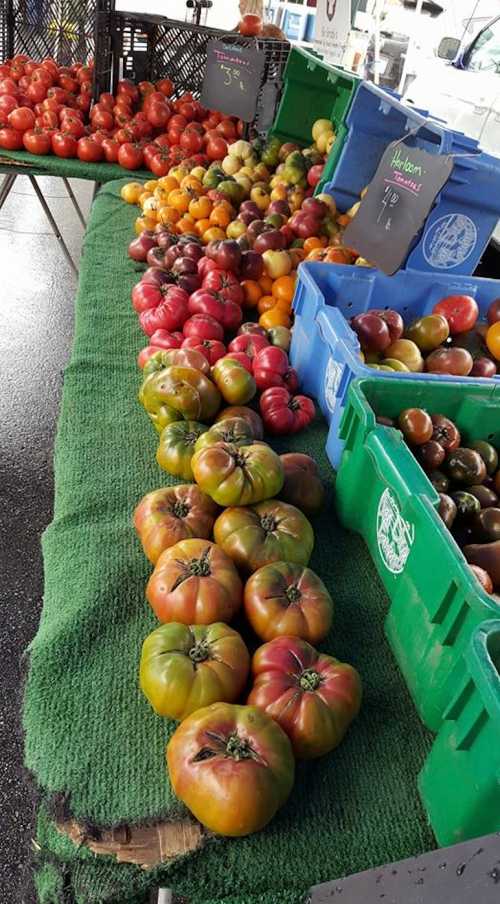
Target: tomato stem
(239,748)
(200,652)
(293,594)
(309,680)
(179,509)
(268,523)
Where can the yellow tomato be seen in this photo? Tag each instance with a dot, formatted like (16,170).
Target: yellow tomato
(151,184)
(274,317)
(131,192)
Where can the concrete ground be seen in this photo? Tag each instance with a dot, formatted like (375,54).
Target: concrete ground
(37,290)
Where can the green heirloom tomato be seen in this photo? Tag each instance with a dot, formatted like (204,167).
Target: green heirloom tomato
(176,449)
(184,668)
(176,357)
(248,414)
(179,393)
(429,332)
(235,430)
(271,531)
(171,514)
(236,385)
(234,475)
(232,766)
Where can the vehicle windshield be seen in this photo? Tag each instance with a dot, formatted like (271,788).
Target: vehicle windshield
(485,53)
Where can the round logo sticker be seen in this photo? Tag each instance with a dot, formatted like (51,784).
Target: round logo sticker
(395,536)
(332,380)
(450,241)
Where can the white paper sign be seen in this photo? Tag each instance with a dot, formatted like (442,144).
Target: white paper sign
(333,24)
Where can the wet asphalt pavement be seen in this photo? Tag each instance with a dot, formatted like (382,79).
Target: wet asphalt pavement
(37,291)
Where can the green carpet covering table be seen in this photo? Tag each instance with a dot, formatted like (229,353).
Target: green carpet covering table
(92,738)
(31,164)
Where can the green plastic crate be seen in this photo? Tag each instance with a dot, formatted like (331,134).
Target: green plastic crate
(314,90)
(460,781)
(383,494)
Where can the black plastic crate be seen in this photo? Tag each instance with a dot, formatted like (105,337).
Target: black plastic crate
(144,47)
(62,29)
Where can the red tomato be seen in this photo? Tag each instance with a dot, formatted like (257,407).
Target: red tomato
(158,115)
(11,139)
(166,86)
(145,88)
(250,25)
(174,136)
(8,103)
(164,340)
(107,101)
(203,326)
(170,314)
(142,128)
(36,141)
(101,118)
(160,164)
(73,126)
(242,359)
(270,366)
(283,413)
(84,74)
(49,119)
(36,92)
(213,349)
(205,266)
(89,151)
(226,312)
(58,94)
(126,87)
(130,156)
(8,86)
(148,152)
(188,110)
(249,343)
(111,148)
(216,149)
(68,84)
(98,136)
(191,141)
(224,283)
(155,97)
(64,144)
(178,122)
(146,296)
(461,312)
(227,129)
(312,696)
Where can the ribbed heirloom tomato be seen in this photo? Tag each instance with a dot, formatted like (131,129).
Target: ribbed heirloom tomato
(232,766)
(184,668)
(176,448)
(271,531)
(195,583)
(176,357)
(248,415)
(312,696)
(167,516)
(235,383)
(283,599)
(179,392)
(234,475)
(283,413)
(233,430)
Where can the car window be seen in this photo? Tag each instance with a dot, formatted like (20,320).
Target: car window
(485,53)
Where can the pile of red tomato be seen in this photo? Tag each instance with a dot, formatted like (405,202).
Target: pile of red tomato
(46,108)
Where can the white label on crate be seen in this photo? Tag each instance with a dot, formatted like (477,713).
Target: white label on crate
(450,241)
(333,375)
(395,536)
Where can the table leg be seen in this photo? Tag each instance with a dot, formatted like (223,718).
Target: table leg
(97,186)
(6,187)
(74,201)
(55,228)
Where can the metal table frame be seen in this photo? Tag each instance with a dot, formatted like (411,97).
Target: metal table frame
(6,188)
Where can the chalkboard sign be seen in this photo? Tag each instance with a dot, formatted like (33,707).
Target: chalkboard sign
(233,79)
(397,204)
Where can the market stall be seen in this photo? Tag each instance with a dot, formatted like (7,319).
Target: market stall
(244,273)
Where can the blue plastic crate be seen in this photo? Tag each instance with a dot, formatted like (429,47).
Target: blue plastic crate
(325,350)
(467,209)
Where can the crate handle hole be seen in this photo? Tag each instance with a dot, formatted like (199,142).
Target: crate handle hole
(349,304)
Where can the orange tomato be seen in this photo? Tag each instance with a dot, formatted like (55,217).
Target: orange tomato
(252,292)
(168,215)
(201,208)
(220,216)
(343,219)
(185,224)
(315,241)
(266,284)
(284,288)
(338,256)
(214,234)
(193,184)
(317,254)
(201,226)
(265,303)
(180,199)
(274,317)
(168,183)
(282,305)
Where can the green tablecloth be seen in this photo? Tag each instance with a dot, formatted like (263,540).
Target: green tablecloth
(31,164)
(92,737)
